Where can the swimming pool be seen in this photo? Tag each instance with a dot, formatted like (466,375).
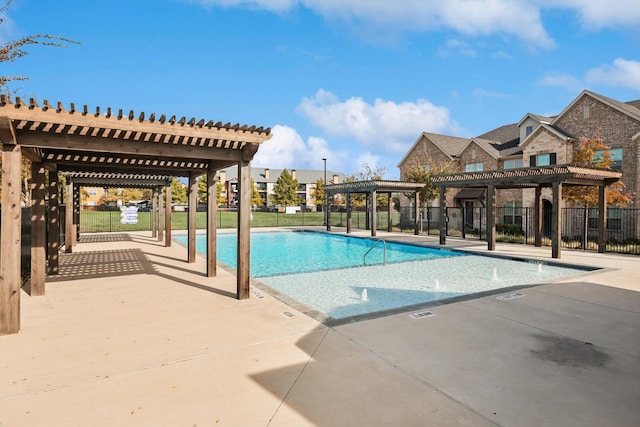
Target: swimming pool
(325,273)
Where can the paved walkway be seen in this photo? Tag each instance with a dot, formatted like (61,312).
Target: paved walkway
(130,335)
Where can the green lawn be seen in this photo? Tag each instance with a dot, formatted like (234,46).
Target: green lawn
(101,221)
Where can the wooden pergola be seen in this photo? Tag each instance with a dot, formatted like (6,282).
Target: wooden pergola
(371,189)
(110,148)
(555,177)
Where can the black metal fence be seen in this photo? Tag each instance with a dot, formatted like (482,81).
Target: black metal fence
(513,225)
(517,225)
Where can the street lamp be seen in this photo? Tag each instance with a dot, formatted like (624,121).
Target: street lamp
(324,189)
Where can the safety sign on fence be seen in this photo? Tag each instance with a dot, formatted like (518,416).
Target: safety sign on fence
(129,214)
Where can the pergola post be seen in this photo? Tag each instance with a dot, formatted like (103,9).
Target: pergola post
(167,217)
(191,218)
(38,229)
(154,212)
(53,213)
(416,226)
(159,214)
(556,220)
(491,218)
(349,220)
(328,213)
(602,218)
(443,215)
(374,222)
(10,239)
(70,229)
(244,229)
(76,214)
(212,204)
(389,212)
(538,216)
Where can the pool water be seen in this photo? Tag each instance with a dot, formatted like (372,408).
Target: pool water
(325,272)
(276,253)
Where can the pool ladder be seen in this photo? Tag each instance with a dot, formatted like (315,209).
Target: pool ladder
(384,252)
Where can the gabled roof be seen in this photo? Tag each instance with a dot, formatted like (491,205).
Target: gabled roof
(625,108)
(489,146)
(536,117)
(449,145)
(560,135)
(503,134)
(634,104)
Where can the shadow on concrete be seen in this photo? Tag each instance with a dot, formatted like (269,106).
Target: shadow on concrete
(122,262)
(104,238)
(95,264)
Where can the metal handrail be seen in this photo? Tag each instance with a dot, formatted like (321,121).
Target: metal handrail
(384,252)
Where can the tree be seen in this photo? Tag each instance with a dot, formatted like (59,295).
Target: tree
(202,190)
(285,191)
(178,191)
(357,199)
(423,173)
(318,194)
(13,50)
(255,198)
(369,174)
(592,152)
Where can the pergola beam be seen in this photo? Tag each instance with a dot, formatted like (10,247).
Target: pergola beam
(91,145)
(556,176)
(108,150)
(371,189)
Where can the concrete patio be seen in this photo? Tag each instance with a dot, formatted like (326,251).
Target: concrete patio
(131,335)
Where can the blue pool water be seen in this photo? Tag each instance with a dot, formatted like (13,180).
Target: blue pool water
(325,273)
(279,253)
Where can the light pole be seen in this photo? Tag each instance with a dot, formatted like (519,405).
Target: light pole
(324,189)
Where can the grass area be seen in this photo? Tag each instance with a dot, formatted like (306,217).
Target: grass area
(102,221)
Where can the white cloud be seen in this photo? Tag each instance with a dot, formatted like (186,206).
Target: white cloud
(480,17)
(386,125)
(519,18)
(622,73)
(287,149)
(562,80)
(597,14)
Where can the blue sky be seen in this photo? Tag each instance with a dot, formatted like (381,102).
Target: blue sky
(353,81)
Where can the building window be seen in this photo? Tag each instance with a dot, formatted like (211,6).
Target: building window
(528,130)
(261,186)
(615,154)
(586,111)
(614,218)
(93,192)
(542,159)
(513,163)
(512,213)
(302,187)
(473,167)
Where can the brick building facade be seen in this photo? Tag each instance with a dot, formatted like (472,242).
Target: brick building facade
(536,141)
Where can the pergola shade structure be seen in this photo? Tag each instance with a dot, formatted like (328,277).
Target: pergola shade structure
(371,188)
(556,177)
(111,148)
